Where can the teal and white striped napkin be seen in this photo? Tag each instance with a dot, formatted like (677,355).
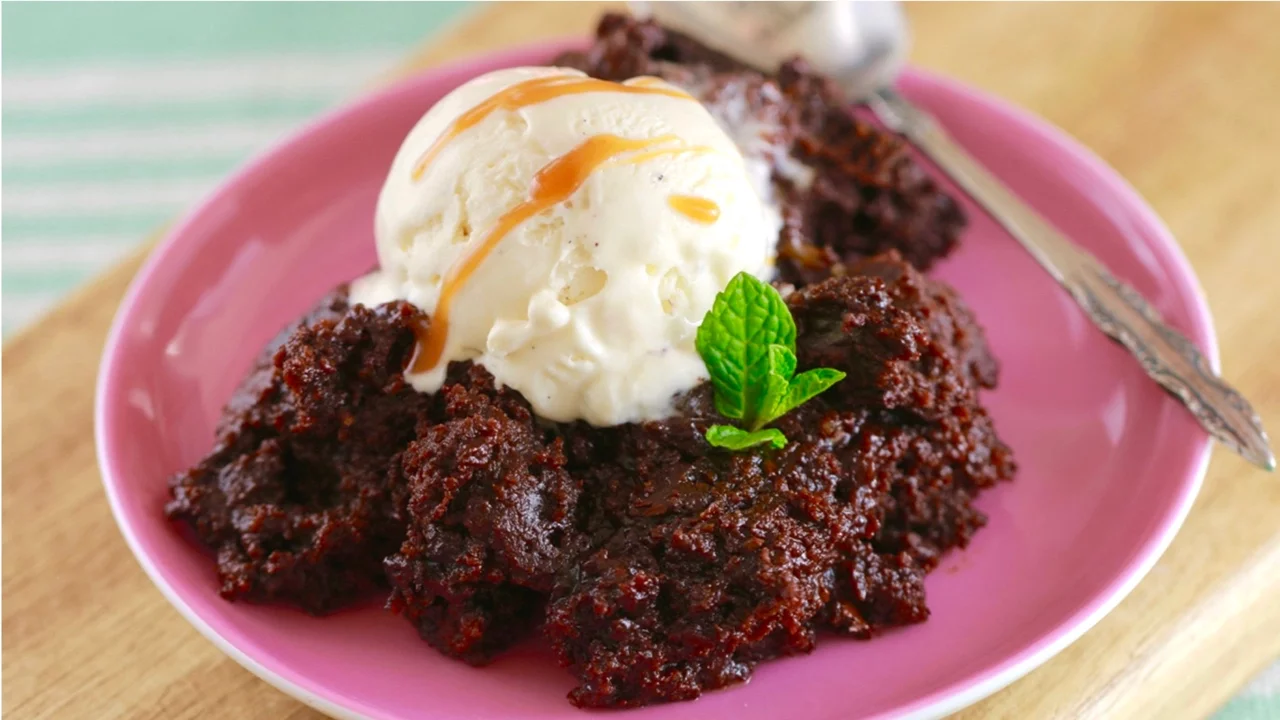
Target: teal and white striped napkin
(119,116)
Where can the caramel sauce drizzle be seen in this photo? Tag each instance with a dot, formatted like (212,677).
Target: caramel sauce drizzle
(647,156)
(553,184)
(532,92)
(698,209)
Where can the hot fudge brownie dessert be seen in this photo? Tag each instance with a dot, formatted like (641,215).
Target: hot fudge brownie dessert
(499,492)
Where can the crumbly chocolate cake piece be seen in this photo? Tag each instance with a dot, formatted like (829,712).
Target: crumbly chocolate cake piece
(909,341)
(489,510)
(948,462)
(916,358)
(846,188)
(294,499)
(700,563)
(951,323)
(660,566)
(719,561)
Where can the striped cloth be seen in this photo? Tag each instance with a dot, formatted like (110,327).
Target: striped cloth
(1259,701)
(118,116)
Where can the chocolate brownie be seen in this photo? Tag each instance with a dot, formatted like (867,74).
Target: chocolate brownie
(657,565)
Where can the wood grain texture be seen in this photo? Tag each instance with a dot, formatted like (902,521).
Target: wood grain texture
(1179,98)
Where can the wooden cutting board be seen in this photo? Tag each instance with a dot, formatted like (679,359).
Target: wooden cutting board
(1182,99)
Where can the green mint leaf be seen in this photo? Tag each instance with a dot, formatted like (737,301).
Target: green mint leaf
(781,366)
(748,342)
(735,438)
(782,361)
(720,343)
(747,317)
(808,385)
(730,400)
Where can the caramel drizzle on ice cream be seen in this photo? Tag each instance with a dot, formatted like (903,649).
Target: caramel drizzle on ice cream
(532,92)
(554,183)
(698,209)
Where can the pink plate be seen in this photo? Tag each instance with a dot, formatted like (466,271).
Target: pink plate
(1109,464)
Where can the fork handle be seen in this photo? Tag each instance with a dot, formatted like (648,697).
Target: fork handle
(1117,309)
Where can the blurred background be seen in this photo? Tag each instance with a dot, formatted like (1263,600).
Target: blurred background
(119,116)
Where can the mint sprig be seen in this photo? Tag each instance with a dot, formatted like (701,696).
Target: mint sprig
(735,438)
(748,342)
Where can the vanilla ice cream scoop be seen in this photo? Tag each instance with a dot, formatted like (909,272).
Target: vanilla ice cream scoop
(568,234)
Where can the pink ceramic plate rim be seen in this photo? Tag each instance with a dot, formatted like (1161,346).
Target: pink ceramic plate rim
(950,699)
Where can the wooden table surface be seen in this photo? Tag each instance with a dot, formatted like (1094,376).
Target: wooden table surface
(1181,99)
